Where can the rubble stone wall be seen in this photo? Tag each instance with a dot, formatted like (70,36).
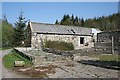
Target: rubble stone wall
(104,40)
(39,40)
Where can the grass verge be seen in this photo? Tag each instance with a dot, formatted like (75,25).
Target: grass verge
(111,57)
(110,61)
(5,48)
(8,60)
(103,57)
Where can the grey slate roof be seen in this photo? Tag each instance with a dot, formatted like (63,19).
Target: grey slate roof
(60,29)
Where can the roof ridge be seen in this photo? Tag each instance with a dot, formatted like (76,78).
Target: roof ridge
(61,29)
(61,25)
(42,23)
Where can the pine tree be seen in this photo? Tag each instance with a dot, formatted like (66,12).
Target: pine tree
(56,22)
(82,22)
(20,25)
(66,20)
(76,21)
(72,19)
(5,18)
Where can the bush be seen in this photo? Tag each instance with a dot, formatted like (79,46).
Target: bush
(7,34)
(59,45)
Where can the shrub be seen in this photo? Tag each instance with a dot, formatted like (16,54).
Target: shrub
(59,45)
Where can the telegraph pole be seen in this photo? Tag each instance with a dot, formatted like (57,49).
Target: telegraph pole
(112,44)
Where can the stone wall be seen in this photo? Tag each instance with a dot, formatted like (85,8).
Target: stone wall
(21,52)
(39,39)
(104,40)
(106,37)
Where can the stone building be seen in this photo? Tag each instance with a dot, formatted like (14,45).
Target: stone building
(80,37)
(109,41)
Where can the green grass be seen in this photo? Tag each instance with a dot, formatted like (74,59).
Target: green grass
(5,48)
(103,57)
(8,60)
(59,45)
(92,55)
(111,57)
(104,60)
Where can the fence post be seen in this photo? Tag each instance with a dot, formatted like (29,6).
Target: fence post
(112,44)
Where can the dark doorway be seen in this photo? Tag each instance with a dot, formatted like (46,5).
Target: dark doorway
(81,40)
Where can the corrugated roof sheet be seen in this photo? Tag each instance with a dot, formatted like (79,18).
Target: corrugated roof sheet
(59,29)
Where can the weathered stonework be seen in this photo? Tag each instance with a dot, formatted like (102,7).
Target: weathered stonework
(40,39)
(104,41)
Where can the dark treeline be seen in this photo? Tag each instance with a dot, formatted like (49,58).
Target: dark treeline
(104,23)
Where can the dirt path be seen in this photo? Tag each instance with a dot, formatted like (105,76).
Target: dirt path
(83,71)
(5,72)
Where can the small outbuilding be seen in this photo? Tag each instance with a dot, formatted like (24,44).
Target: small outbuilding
(80,37)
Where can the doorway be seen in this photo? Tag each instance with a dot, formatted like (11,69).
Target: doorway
(81,40)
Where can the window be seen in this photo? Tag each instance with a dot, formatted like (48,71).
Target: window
(81,40)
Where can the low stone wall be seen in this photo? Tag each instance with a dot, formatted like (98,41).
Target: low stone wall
(21,49)
(46,56)
(21,53)
(108,47)
(67,54)
(104,45)
(105,39)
